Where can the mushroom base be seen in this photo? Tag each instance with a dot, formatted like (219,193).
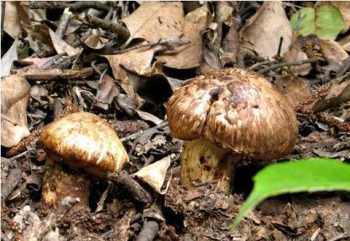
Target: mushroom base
(59,184)
(204,162)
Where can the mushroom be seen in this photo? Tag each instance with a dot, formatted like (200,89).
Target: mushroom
(225,117)
(83,141)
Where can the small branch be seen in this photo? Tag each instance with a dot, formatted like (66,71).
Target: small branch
(143,132)
(72,6)
(280,65)
(132,186)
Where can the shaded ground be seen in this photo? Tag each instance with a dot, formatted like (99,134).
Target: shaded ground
(96,62)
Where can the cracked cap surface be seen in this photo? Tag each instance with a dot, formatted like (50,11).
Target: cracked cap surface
(237,110)
(86,141)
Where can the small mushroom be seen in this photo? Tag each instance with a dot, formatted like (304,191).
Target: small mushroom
(83,141)
(225,117)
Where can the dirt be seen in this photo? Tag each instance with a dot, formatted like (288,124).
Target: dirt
(128,82)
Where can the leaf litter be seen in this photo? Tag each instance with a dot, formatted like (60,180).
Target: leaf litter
(122,61)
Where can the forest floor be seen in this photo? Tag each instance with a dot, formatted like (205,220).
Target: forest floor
(122,61)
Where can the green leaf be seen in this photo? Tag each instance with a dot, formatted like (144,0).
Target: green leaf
(303,21)
(329,22)
(309,175)
(325,21)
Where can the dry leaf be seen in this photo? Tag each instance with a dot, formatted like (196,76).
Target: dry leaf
(36,62)
(337,94)
(138,61)
(295,89)
(11,19)
(14,100)
(61,46)
(189,55)
(7,60)
(95,40)
(148,117)
(155,174)
(39,39)
(262,33)
(154,21)
(333,51)
(294,54)
(345,43)
(224,13)
(230,45)
(106,92)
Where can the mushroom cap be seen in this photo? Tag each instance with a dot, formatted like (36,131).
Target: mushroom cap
(237,110)
(85,140)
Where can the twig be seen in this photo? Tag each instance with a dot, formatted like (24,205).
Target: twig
(143,132)
(18,156)
(56,74)
(280,65)
(103,198)
(132,186)
(73,6)
(257,65)
(280,47)
(121,31)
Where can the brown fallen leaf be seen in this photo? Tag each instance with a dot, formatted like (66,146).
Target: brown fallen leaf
(106,92)
(61,46)
(263,31)
(137,61)
(294,54)
(95,40)
(154,21)
(230,45)
(39,39)
(333,51)
(338,93)
(11,19)
(345,43)
(189,55)
(148,117)
(155,174)
(296,89)
(14,100)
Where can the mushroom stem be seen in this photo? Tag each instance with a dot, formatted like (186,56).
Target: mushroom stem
(60,183)
(203,162)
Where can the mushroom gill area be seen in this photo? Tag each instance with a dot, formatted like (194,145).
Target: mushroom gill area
(229,113)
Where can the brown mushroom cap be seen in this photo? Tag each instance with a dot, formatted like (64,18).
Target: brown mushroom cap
(87,141)
(237,110)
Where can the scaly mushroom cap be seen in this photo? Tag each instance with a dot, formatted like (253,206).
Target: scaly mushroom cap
(86,141)
(237,110)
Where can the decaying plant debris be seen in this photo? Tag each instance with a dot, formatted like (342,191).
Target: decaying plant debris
(122,61)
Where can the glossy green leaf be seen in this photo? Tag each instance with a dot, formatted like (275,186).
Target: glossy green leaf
(325,21)
(297,176)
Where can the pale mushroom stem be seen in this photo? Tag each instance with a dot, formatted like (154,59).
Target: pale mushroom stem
(204,162)
(59,184)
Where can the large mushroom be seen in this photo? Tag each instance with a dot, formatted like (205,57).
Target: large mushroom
(83,141)
(227,116)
